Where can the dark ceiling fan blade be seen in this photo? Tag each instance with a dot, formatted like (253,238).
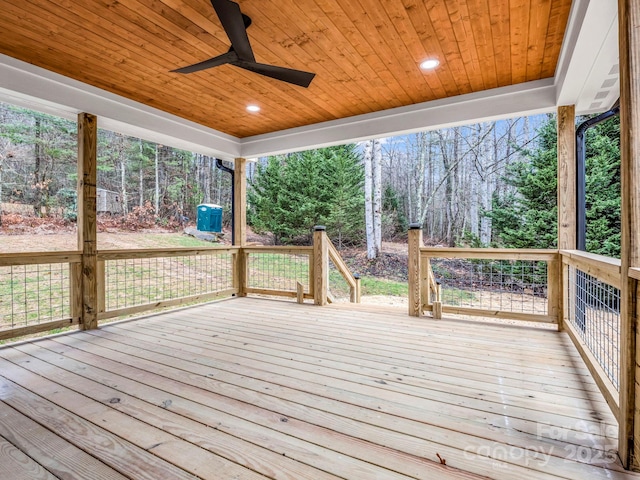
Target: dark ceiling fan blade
(235,25)
(229,57)
(297,77)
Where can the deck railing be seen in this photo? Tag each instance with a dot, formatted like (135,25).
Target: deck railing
(576,290)
(507,283)
(591,284)
(37,292)
(279,271)
(40,292)
(134,281)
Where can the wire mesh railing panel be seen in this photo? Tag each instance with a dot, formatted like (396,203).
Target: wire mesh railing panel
(594,311)
(338,287)
(139,281)
(34,294)
(513,286)
(278,271)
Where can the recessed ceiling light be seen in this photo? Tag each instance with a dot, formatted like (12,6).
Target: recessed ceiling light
(253,108)
(429,64)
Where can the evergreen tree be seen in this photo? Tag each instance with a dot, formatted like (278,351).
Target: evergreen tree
(603,188)
(527,218)
(290,194)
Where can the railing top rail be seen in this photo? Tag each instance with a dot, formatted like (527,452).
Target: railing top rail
(33,258)
(605,269)
(592,258)
(634,272)
(162,252)
(490,253)
(278,249)
(342,267)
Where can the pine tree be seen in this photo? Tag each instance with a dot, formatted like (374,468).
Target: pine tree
(603,188)
(528,218)
(290,194)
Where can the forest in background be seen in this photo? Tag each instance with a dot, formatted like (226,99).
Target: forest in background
(487,184)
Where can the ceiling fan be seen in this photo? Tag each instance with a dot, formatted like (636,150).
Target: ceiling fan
(235,24)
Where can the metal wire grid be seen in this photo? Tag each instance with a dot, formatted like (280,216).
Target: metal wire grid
(32,294)
(278,271)
(518,286)
(140,281)
(594,309)
(338,286)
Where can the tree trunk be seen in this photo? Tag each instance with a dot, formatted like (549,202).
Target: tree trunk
(123,175)
(157,187)
(368,200)
(206,180)
(141,178)
(38,183)
(377,196)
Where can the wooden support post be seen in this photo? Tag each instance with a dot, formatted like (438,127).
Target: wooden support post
(87,233)
(299,292)
(437,304)
(567,177)
(629,48)
(320,265)
(555,292)
(240,263)
(240,202)
(356,294)
(415,270)
(75,291)
(101,281)
(567,202)
(425,282)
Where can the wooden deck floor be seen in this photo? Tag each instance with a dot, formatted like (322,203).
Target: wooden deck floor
(254,389)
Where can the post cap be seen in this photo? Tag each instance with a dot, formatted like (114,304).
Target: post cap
(415,226)
(319,228)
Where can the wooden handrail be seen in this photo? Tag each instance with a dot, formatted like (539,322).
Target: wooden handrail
(490,253)
(550,256)
(337,260)
(162,252)
(354,284)
(33,258)
(605,269)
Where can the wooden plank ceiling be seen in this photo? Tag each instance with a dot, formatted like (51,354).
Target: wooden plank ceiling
(365,53)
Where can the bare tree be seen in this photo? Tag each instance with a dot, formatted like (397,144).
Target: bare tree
(377,196)
(368,200)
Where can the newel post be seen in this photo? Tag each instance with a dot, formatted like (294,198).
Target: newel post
(86,222)
(415,270)
(320,265)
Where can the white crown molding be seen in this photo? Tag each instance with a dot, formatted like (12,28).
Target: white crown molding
(523,99)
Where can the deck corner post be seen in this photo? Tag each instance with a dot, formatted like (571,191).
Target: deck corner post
(629,54)
(321,265)
(415,270)
(87,230)
(567,204)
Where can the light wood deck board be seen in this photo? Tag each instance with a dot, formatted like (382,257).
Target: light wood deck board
(63,459)
(15,465)
(257,333)
(254,388)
